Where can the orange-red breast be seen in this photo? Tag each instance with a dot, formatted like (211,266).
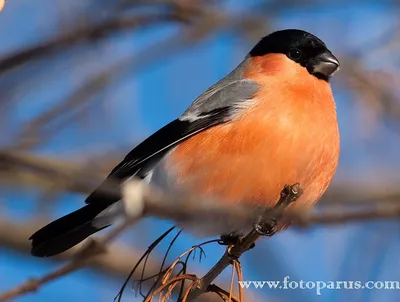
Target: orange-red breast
(270,122)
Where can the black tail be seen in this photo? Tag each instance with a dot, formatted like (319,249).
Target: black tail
(66,232)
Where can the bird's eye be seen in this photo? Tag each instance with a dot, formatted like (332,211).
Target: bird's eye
(294,54)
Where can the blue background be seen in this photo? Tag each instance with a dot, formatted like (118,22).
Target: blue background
(146,96)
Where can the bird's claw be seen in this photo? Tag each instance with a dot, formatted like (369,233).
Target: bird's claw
(289,194)
(232,238)
(268,228)
(234,257)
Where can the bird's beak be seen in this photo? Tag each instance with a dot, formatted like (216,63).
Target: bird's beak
(325,64)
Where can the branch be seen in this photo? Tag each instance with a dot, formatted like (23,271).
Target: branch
(90,33)
(113,263)
(154,202)
(288,195)
(210,21)
(82,258)
(177,207)
(384,190)
(379,212)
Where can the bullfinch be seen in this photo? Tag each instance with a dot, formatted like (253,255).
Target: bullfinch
(270,122)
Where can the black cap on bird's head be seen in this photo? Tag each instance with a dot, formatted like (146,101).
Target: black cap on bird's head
(301,47)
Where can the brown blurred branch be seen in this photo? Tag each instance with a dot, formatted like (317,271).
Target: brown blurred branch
(33,134)
(373,90)
(341,194)
(85,34)
(159,204)
(379,212)
(175,11)
(82,258)
(207,22)
(36,170)
(21,168)
(112,263)
(79,179)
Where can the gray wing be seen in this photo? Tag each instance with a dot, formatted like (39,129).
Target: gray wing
(232,91)
(216,105)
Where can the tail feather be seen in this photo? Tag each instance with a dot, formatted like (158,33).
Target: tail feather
(66,232)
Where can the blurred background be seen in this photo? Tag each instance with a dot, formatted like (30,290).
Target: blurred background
(82,82)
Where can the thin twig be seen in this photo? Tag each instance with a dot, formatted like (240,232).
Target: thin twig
(223,294)
(231,283)
(118,297)
(239,273)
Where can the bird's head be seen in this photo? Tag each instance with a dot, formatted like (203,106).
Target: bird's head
(301,47)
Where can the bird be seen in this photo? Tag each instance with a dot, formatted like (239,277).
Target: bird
(271,121)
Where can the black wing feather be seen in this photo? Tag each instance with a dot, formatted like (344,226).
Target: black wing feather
(156,146)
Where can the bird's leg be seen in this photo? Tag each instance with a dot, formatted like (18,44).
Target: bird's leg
(267,226)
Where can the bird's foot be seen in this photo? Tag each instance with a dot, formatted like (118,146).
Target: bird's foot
(269,226)
(232,239)
(289,194)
